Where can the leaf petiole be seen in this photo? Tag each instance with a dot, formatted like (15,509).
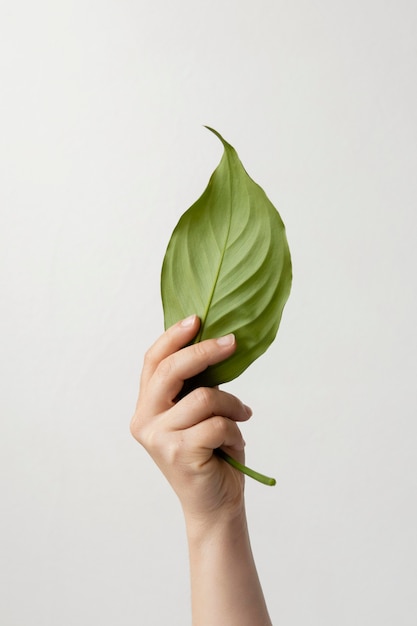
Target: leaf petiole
(266,480)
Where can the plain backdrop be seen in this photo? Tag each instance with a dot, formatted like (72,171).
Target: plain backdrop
(102,148)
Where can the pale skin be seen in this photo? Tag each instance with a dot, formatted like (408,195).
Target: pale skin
(181,436)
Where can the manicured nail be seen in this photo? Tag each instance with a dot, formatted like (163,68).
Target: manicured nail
(227,340)
(189,321)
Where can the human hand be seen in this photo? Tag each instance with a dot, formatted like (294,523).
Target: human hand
(181,435)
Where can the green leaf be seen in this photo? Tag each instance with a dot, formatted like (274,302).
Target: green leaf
(228,261)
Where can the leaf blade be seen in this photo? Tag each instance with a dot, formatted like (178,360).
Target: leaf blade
(228,261)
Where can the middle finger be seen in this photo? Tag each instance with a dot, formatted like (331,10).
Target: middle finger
(203,403)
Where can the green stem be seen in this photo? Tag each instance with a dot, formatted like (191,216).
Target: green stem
(266,480)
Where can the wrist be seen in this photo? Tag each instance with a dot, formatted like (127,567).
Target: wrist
(218,525)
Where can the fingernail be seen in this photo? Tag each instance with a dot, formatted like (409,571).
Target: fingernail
(189,321)
(248,410)
(227,340)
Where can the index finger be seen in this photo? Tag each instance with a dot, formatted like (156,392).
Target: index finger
(176,337)
(169,376)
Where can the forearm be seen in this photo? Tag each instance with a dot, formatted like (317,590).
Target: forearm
(225,586)
(181,436)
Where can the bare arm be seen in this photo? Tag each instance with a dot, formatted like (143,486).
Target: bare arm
(181,437)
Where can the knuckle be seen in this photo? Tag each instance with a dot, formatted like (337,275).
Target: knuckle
(149,358)
(203,396)
(174,451)
(166,367)
(146,435)
(220,425)
(136,428)
(141,430)
(200,350)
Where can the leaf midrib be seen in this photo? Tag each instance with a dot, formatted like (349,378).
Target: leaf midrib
(203,320)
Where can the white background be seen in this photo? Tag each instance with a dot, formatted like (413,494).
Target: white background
(102,148)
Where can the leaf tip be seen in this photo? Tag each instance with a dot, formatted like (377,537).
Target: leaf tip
(218,135)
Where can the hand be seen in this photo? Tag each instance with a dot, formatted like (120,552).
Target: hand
(181,436)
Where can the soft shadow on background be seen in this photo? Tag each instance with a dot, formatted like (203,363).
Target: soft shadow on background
(102,148)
